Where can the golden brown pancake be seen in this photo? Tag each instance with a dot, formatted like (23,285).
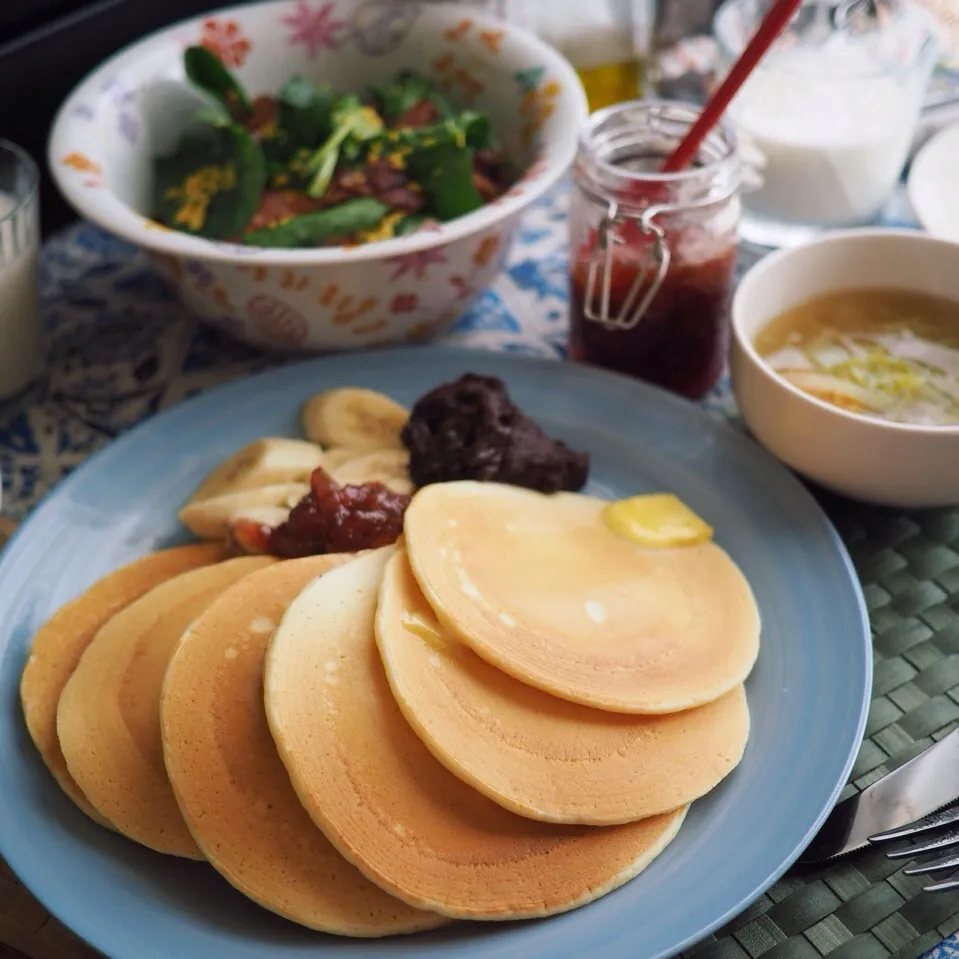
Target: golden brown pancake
(540,587)
(392,809)
(535,754)
(229,782)
(59,643)
(108,719)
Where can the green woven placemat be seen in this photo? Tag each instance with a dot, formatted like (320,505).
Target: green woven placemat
(862,906)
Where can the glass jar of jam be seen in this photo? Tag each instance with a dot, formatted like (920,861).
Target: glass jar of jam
(653,255)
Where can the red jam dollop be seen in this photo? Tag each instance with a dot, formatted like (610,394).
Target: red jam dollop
(330,519)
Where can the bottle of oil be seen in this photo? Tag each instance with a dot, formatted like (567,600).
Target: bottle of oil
(607,41)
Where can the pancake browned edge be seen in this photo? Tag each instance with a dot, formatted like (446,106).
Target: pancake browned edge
(108,719)
(535,754)
(60,642)
(232,789)
(539,586)
(394,811)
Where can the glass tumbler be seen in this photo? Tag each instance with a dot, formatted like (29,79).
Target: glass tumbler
(21,330)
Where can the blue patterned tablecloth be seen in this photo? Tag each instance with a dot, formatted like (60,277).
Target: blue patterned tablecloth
(122,348)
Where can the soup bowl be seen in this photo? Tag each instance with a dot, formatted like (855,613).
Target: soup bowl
(863,457)
(134,107)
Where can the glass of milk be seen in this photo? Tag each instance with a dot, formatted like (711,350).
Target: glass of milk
(827,118)
(22,354)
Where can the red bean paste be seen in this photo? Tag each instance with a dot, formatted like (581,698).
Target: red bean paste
(471,429)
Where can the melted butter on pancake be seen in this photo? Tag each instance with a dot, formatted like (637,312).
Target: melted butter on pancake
(656,521)
(597,612)
(419,625)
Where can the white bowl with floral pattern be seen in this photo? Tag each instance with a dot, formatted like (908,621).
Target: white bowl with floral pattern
(134,106)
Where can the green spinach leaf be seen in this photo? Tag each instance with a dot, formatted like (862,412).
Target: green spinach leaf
(211,184)
(311,229)
(206,71)
(405,91)
(476,128)
(445,172)
(410,224)
(305,112)
(468,128)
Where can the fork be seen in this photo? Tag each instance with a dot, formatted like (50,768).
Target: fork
(935,836)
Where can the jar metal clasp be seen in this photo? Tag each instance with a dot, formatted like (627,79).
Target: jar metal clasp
(649,274)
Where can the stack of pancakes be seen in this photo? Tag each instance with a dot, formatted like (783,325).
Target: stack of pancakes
(506,715)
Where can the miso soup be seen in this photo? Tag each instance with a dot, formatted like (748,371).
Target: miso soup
(891,354)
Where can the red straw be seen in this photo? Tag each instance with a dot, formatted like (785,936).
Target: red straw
(773,24)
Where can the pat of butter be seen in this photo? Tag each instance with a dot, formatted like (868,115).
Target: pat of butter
(430,634)
(656,520)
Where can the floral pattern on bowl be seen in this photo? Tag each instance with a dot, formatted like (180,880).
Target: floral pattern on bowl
(134,106)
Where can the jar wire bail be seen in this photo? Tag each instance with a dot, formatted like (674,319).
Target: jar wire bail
(634,307)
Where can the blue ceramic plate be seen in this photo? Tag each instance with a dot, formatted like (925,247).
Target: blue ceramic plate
(808,693)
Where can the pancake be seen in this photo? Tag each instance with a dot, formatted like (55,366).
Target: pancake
(108,719)
(540,587)
(389,806)
(532,753)
(229,782)
(59,643)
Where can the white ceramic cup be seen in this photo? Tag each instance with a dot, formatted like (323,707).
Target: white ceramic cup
(896,464)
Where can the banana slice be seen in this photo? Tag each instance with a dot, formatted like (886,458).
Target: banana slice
(264,462)
(334,457)
(295,495)
(210,518)
(358,419)
(389,467)
(261,515)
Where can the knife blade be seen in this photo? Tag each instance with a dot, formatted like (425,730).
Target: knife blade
(915,789)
